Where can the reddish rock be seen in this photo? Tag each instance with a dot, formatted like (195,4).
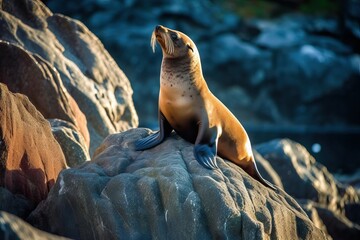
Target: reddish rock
(30,157)
(29,74)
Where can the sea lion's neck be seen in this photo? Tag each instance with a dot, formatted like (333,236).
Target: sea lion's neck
(182,73)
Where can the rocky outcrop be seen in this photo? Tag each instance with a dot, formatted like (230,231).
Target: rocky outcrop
(27,73)
(330,205)
(294,165)
(30,157)
(12,227)
(164,193)
(60,64)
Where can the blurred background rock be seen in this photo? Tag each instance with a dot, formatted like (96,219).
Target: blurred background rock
(285,68)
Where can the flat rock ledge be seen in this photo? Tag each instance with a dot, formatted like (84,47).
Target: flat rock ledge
(163,193)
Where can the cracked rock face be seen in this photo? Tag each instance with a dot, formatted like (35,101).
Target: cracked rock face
(164,193)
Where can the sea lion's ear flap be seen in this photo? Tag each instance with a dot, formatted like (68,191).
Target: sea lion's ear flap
(188,45)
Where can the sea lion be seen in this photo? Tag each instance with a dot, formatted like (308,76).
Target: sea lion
(187,106)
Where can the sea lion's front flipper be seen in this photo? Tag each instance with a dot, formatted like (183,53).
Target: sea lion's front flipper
(156,138)
(206,147)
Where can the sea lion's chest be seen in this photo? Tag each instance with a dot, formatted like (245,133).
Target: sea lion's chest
(180,104)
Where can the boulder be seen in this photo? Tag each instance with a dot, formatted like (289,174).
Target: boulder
(164,193)
(87,71)
(333,223)
(14,228)
(28,73)
(30,157)
(326,201)
(71,141)
(295,165)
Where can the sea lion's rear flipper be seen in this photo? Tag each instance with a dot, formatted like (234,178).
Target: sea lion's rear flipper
(256,175)
(206,147)
(156,138)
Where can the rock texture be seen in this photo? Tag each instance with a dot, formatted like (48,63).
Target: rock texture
(60,61)
(14,228)
(30,157)
(27,73)
(71,141)
(164,193)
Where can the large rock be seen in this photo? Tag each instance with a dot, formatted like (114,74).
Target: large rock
(294,165)
(30,157)
(87,71)
(27,73)
(325,200)
(164,193)
(14,228)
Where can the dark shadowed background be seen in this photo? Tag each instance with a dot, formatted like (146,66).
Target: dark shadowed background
(286,68)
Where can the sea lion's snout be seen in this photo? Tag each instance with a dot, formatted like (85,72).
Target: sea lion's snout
(156,35)
(159,28)
(161,35)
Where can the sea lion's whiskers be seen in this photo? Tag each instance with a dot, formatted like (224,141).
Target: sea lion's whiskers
(153,41)
(169,45)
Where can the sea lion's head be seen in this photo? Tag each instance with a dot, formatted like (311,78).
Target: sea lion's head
(174,44)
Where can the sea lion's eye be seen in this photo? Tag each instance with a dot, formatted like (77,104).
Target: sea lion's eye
(174,36)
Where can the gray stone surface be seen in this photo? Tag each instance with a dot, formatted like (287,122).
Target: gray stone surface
(164,193)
